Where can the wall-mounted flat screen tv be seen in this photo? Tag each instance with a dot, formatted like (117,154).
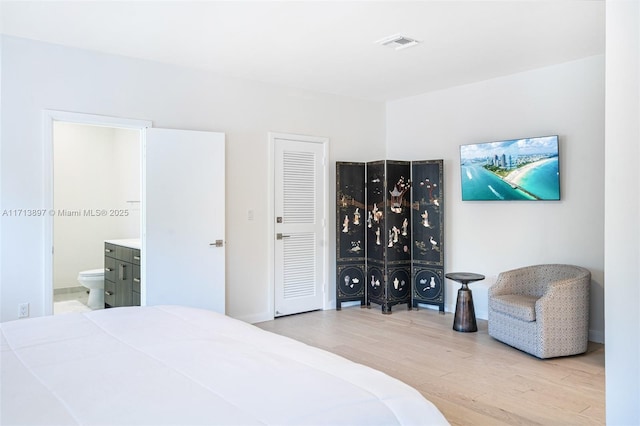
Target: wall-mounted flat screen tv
(516,169)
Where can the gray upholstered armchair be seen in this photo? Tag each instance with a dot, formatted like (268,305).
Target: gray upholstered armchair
(542,309)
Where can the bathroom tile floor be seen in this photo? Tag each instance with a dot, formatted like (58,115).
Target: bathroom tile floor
(70,300)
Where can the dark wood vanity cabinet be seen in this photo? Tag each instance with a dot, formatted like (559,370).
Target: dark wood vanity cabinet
(135,276)
(109,276)
(122,276)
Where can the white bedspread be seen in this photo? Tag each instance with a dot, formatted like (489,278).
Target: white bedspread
(183,366)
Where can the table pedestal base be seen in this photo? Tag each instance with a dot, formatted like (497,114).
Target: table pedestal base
(465,317)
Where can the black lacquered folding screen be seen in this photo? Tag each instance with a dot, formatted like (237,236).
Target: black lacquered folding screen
(390,233)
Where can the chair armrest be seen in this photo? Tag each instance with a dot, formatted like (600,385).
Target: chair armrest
(565,300)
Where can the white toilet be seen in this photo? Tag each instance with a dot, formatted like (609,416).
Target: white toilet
(93,279)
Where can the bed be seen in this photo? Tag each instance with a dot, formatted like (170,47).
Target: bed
(173,365)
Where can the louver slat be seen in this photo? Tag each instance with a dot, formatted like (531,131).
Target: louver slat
(299,265)
(299,187)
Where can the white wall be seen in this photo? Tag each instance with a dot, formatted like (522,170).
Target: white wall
(490,237)
(94,168)
(37,76)
(622,213)
(128,180)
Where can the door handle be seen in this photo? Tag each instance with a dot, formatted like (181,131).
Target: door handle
(218,243)
(280,236)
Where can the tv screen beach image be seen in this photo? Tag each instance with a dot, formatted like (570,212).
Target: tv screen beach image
(516,169)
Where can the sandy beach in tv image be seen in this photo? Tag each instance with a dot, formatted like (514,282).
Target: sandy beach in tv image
(517,169)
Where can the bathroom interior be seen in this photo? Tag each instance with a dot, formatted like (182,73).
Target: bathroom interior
(96,191)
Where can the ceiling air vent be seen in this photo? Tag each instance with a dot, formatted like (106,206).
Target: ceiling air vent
(397,42)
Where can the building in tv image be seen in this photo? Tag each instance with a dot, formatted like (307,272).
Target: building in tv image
(517,169)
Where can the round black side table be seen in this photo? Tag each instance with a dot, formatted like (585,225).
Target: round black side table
(465,317)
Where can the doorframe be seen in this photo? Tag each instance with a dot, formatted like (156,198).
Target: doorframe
(49,117)
(271,217)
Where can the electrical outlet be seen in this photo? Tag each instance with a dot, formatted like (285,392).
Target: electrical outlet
(23,310)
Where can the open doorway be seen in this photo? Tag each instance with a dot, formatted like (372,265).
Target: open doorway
(96,198)
(81,142)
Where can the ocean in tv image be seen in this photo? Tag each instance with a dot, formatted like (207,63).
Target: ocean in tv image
(517,169)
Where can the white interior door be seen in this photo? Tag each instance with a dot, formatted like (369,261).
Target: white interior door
(299,254)
(183,212)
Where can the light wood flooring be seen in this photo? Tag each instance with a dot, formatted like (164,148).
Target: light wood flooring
(472,378)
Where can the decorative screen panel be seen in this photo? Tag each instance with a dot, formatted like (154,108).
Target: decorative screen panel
(351,223)
(428,233)
(389,234)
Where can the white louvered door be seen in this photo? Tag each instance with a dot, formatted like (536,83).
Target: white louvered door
(299,241)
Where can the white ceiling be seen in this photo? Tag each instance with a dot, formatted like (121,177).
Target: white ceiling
(326,46)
